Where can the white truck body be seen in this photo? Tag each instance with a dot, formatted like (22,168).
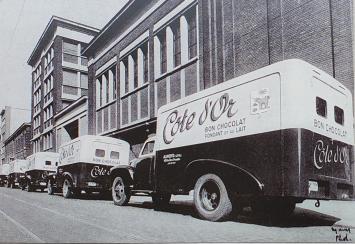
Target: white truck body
(94,149)
(43,161)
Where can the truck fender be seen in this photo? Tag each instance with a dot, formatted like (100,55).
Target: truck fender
(70,176)
(125,171)
(197,167)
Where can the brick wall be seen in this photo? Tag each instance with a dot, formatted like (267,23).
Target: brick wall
(244,35)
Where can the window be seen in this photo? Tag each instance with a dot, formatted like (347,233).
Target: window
(106,87)
(339,115)
(163,50)
(321,106)
(176,43)
(148,148)
(48,163)
(70,52)
(192,33)
(100,153)
(134,69)
(70,78)
(114,155)
(84,81)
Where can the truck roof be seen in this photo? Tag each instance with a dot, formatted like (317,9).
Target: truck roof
(285,66)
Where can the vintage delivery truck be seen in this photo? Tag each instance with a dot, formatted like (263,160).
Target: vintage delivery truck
(268,139)
(40,165)
(84,164)
(17,170)
(4,174)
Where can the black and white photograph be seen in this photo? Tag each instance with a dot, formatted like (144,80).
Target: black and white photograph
(177,121)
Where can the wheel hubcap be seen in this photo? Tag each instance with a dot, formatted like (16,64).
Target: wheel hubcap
(119,190)
(210,196)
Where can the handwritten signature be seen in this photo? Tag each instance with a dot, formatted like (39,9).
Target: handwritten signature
(342,234)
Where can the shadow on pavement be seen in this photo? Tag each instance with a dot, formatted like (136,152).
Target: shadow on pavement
(300,218)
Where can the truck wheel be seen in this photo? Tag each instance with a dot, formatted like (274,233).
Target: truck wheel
(50,188)
(120,193)
(211,198)
(28,187)
(161,200)
(67,189)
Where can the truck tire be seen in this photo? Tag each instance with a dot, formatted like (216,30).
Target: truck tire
(67,189)
(28,187)
(50,188)
(211,198)
(160,200)
(120,192)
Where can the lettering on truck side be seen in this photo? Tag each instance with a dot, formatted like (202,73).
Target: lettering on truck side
(213,110)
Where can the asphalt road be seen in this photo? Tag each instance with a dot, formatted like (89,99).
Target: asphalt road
(37,217)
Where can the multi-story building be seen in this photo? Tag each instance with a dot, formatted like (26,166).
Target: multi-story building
(156,52)
(59,76)
(10,119)
(18,144)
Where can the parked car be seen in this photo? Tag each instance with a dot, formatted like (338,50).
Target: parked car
(40,165)
(84,164)
(268,139)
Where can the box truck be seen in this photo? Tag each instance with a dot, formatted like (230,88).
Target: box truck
(17,170)
(40,166)
(268,139)
(84,164)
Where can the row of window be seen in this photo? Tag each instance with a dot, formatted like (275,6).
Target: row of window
(73,81)
(101,154)
(37,73)
(37,97)
(134,69)
(48,141)
(321,108)
(176,44)
(48,84)
(106,87)
(48,61)
(71,53)
(36,122)
(48,112)
(36,146)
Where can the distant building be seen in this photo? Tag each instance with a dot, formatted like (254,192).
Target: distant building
(18,144)
(59,76)
(71,122)
(154,52)
(10,119)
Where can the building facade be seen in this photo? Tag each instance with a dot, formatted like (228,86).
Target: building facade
(59,76)
(10,119)
(156,52)
(18,144)
(71,122)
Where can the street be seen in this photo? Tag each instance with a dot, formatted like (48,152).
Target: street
(37,217)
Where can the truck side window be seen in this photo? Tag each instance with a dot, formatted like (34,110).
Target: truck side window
(48,163)
(100,153)
(339,115)
(114,155)
(321,106)
(148,148)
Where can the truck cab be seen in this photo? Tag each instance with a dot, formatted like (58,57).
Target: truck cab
(137,178)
